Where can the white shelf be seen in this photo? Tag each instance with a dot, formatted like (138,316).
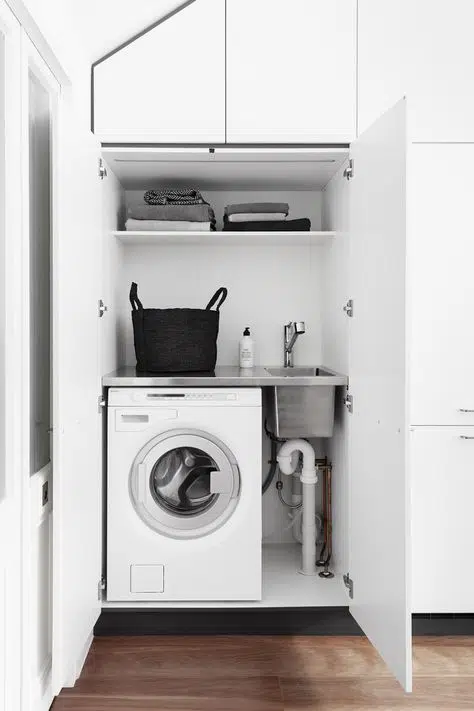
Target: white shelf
(283,586)
(222,239)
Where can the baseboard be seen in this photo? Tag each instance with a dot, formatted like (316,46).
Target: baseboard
(238,621)
(268,621)
(440,625)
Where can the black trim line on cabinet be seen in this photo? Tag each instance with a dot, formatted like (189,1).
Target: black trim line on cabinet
(126,43)
(317,621)
(143,32)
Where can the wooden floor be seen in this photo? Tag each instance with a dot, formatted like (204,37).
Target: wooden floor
(267,674)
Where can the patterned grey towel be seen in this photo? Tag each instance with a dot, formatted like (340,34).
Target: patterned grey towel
(183,196)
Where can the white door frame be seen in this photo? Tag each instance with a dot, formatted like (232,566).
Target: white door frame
(37,692)
(10,504)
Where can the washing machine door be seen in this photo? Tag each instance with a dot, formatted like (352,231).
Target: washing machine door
(185,483)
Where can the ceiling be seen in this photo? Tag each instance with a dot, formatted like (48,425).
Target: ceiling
(105,24)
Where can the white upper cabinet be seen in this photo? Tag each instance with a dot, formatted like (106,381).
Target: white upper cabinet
(441,255)
(421,50)
(291,71)
(381,51)
(167,85)
(440,90)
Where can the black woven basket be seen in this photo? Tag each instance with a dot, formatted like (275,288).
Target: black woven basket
(176,340)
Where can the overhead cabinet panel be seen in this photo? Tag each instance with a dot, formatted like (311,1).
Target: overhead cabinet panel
(291,71)
(421,50)
(166,86)
(381,65)
(441,71)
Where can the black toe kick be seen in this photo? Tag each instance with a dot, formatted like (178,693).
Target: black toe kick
(228,621)
(267,621)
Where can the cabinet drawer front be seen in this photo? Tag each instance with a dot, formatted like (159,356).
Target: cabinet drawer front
(442,474)
(441,285)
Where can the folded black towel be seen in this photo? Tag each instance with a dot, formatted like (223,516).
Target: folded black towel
(301,225)
(183,196)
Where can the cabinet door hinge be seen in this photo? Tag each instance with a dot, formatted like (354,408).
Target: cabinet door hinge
(349,402)
(349,171)
(349,308)
(101,587)
(101,403)
(102,308)
(102,169)
(349,583)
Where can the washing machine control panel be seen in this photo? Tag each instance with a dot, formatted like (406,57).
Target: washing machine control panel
(205,396)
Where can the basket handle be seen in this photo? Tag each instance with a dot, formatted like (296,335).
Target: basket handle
(134,300)
(220,296)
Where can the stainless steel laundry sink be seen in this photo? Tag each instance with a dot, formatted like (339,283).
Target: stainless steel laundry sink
(305,410)
(300,372)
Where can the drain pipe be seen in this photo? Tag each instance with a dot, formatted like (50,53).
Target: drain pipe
(308,477)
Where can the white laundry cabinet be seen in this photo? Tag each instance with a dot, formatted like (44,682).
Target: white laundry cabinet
(233,71)
(357,250)
(422,50)
(392,238)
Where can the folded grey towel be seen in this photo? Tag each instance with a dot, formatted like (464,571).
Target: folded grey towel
(191,213)
(166,226)
(258,207)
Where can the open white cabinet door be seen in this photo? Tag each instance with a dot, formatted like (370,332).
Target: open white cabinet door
(77,483)
(379,492)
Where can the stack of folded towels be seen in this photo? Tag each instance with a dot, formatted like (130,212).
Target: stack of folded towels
(182,210)
(262,217)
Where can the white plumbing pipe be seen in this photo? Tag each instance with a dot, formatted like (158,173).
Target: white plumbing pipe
(309,479)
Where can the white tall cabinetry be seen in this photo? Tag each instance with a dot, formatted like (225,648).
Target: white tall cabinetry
(441,186)
(442,379)
(422,50)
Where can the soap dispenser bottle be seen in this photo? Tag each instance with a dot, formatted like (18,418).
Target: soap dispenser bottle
(246,350)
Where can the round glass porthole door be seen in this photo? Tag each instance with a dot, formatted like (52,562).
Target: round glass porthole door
(185,484)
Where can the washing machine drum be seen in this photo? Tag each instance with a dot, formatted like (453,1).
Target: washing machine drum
(185,484)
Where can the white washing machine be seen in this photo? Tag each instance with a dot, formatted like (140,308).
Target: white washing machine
(184,497)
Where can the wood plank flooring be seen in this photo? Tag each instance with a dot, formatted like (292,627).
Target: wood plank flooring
(267,674)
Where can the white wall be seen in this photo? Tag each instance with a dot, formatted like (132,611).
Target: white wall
(268,286)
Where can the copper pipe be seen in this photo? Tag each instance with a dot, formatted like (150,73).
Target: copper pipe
(326,573)
(321,559)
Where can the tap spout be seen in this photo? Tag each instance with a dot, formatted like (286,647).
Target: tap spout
(292,331)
